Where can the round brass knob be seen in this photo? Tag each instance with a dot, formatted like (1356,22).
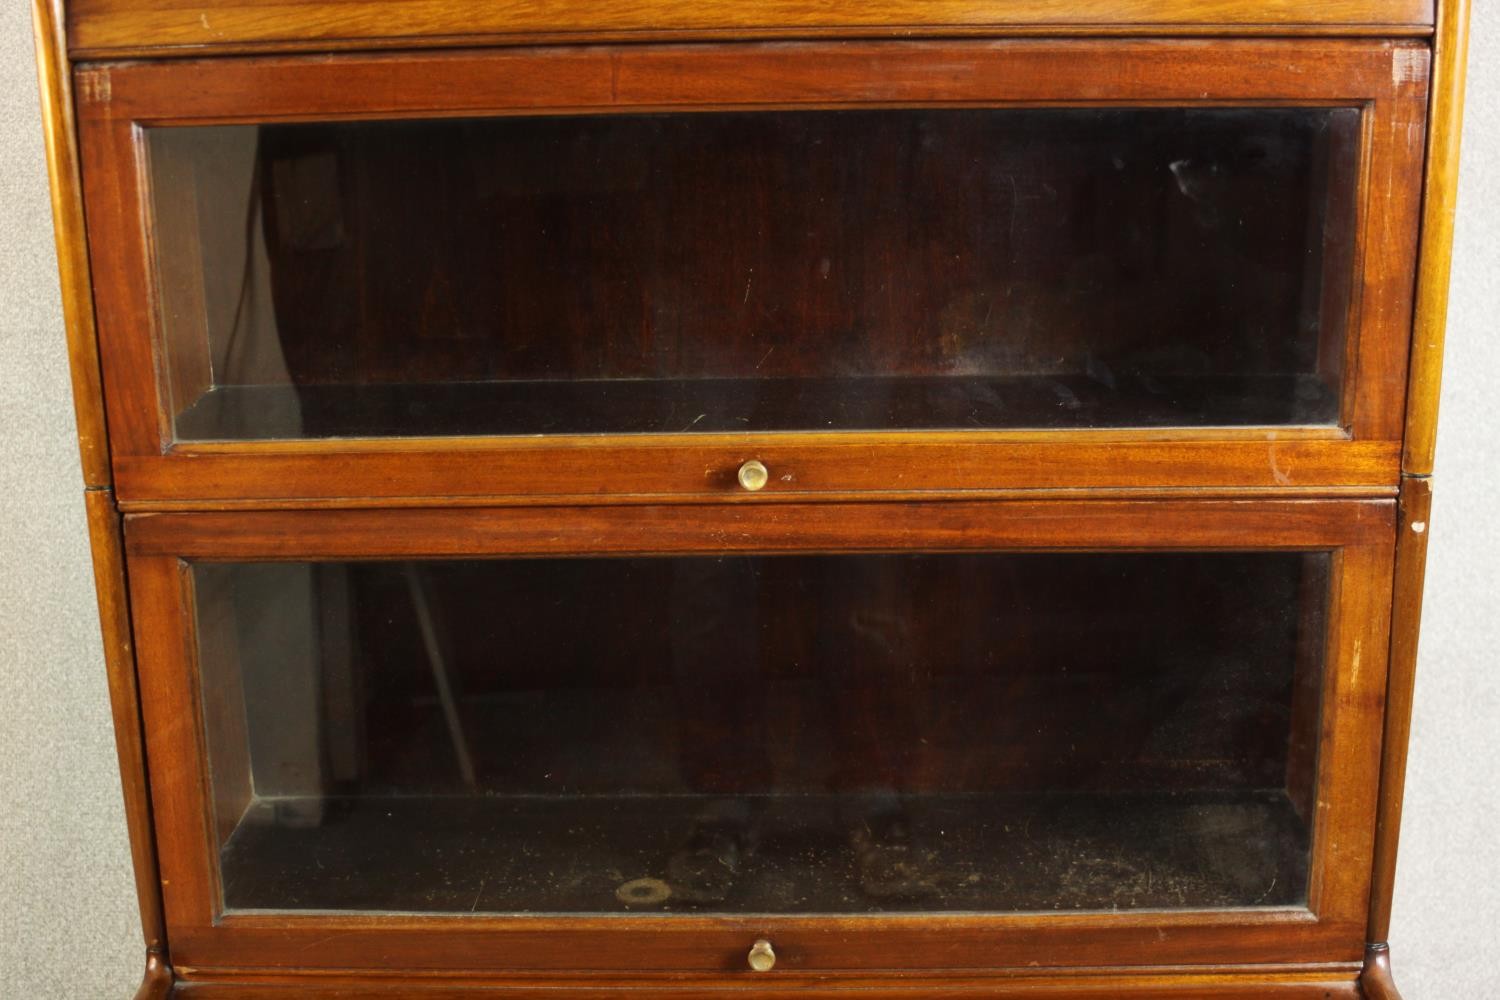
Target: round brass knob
(762,956)
(753,476)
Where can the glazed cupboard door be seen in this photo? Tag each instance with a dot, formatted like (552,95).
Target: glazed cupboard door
(912,268)
(951,738)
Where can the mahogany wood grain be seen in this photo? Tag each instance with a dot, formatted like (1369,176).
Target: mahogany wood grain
(1435,266)
(55,81)
(105,539)
(866,527)
(110,200)
(562,80)
(1388,79)
(1126,490)
(1348,764)
(1331,930)
(630,950)
(103,27)
(803,466)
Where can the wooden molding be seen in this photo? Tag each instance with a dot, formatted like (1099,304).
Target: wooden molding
(1099,985)
(98,28)
(659,530)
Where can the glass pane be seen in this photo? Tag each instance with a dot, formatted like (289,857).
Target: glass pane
(779,734)
(808,270)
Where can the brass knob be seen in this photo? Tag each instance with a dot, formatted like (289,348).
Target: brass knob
(762,955)
(753,476)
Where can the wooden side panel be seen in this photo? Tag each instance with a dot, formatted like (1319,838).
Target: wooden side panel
(100,26)
(55,81)
(119,659)
(1411,573)
(1438,211)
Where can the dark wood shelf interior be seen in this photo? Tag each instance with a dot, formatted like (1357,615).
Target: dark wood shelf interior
(497,854)
(829,270)
(1061,730)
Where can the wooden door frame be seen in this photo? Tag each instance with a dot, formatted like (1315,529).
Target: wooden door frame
(1386,80)
(1330,930)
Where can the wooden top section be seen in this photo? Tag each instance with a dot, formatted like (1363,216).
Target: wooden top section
(99,28)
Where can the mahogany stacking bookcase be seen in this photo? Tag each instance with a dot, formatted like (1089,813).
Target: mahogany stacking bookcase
(690,499)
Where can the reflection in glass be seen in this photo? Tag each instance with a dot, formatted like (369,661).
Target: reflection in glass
(956,268)
(779,734)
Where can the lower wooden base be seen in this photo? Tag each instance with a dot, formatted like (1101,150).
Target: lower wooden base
(1374,982)
(1377,982)
(1176,986)
(156,984)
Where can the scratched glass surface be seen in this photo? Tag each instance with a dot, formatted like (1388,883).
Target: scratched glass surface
(765,734)
(757,271)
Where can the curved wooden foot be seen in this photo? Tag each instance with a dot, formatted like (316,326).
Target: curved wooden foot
(156,984)
(1376,982)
